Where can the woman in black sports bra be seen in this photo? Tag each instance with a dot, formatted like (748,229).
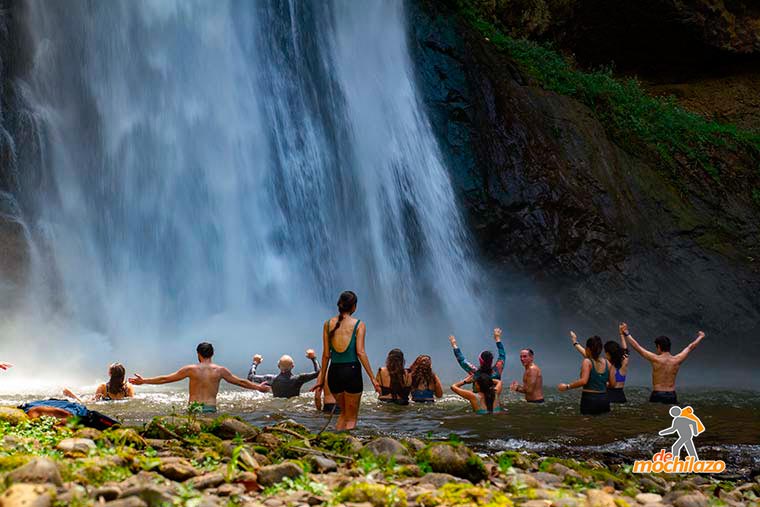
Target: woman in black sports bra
(395,381)
(343,350)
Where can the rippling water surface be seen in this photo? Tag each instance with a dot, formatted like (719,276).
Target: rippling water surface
(732,419)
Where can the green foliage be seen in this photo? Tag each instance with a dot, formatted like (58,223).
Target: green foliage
(464,494)
(378,495)
(38,437)
(635,119)
(505,464)
(301,483)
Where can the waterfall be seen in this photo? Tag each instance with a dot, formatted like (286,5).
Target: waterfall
(222,170)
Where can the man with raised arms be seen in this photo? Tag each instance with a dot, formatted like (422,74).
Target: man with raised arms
(665,366)
(204,379)
(533,383)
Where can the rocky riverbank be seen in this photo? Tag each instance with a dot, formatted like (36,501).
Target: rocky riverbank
(198,461)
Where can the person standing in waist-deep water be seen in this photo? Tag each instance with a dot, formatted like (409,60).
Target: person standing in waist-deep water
(618,358)
(115,389)
(395,382)
(286,384)
(426,386)
(343,349)
(533,382)
(488,391)
(596,374)
(204,379)
(665,366)
(485,357)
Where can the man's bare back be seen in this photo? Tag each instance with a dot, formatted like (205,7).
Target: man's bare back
(665,366)
(204,378)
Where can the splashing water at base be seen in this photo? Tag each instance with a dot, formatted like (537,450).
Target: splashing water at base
(221,171)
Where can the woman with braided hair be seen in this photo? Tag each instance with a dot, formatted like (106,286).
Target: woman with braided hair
(426,386)
(343,357)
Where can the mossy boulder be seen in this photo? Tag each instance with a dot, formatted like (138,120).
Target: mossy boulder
(378,495)
(172,427)
(38,471)
(124,437)
(455,459)
(12,415)
(464,494)
(226,427)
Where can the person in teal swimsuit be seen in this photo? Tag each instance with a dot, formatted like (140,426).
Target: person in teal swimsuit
(596,375)
(343,357)
(483,402)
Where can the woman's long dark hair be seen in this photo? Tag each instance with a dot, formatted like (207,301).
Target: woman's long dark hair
(486,363)
(346,303)
(394,363)
(616,353)
(116,384)
(486,385)
(594,346)
(422,372)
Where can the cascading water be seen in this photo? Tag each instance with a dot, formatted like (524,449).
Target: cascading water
(224,169)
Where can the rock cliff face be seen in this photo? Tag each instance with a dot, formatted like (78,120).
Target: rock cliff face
(601,229)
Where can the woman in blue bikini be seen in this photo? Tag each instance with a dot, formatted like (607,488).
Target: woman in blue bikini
(617,355)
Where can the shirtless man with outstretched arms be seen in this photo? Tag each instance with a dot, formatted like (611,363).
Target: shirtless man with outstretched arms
(204,379)
(665,366)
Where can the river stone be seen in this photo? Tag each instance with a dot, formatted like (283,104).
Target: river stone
(13,415)
(272,474)
(546,477)
(126,436)
(205,481)
(176,469)
(599,498)
(230,428)
(27,495)
(648,498)
(76,446)
(457,460)
(90,433)
(536,503)
(565,502)
(232,490)
(39,471)
(414,444)
(691,500)
(322,465)
(132,501)
(106,492)
(438,480)
(559,469)
(151,494)
(268,440)
(649,484)
(386,447)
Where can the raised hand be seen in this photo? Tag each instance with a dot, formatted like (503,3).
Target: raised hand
(136,380)
(497,334)
(257,359)
(623,329)
(453,341)
(310,354)
(573,336)
(701,335)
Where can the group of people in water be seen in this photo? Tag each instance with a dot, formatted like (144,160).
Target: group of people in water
(339,384)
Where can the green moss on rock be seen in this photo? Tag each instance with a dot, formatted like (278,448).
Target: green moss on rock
(464,494)
(378,495)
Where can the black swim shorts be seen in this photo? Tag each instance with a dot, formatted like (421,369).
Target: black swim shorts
(345,378)
(666,397)
(617,395)
(594,403)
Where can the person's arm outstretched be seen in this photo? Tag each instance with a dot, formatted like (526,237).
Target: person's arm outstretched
(577,346)
(246,384)
(582,381)
(467,366)
(178,375)
(68,393)
(681,356)
(502,354)
(362,354)
(252,372)
(649,356)
(306,377)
